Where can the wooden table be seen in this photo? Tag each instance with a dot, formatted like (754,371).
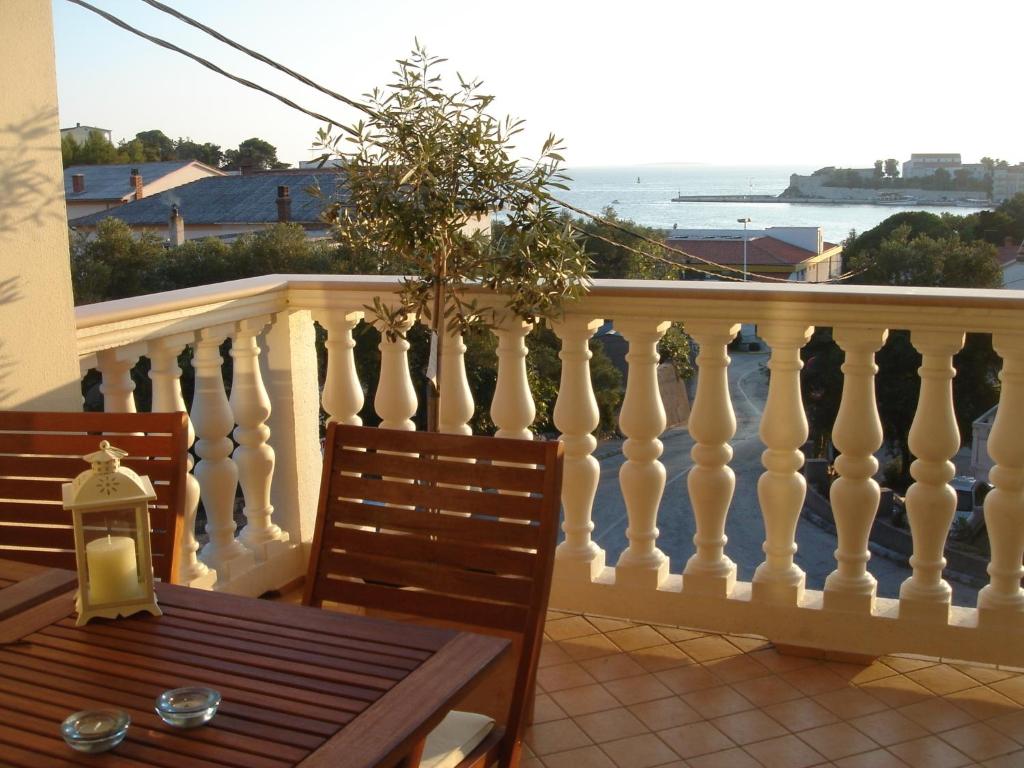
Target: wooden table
(300,686)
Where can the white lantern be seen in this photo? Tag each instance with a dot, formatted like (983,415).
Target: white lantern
(110,506)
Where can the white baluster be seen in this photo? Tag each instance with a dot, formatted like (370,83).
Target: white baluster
(254,456)
(166,377)
(857,433)
(642,476)
(215,471)
(578,558)
(931,502)
(512,408)
(781,488)
(117,387)
(455,408)
(1001,602)
(395,401)
(711,481)
(342,396)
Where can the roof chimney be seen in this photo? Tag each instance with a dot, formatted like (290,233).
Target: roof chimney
(284,204)
(78,182)
(136,182)
(176,227)
(245,167)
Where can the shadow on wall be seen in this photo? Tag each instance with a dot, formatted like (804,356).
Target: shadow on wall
(8,295)
(25,188)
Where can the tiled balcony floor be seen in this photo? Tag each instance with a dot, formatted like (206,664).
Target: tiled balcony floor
(617,695)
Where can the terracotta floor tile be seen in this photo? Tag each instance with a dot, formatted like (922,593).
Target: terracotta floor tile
(605,624)
(732,669)
(838,740)
(848,703)
(929,752)
(1013,687)
(708,647)
(942,679)
(979,742)
(686,679)
(545,709)
(551,654)
(568,628)
(588,647)
(561,676)
(696,739)
(904,664)
(937,715)
(678,634)
(531,762)
(984,675)
(612,667)
(729,758)
(811,681)
(659,657)
(747,727)
(762,691)
(665,713)
(888,727)
(1012,760)
(778,662)
(583,757)
(877,758)
(633,690)
(784,752)
(858,674)
(636,637)
(610,725)
(639,752)
(555,736)
(748,643)
(554,615)
(1010,724)
(897,691)
(584,700)
(983,702)
(800,714)
(716,702)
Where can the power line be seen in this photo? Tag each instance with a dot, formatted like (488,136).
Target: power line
(368,110)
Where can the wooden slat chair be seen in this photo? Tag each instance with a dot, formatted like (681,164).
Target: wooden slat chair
(483,563)
(41,451)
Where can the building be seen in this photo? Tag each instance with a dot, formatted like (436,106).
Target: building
(925,164)
(81,133)
(227,205)
(1011,259)
(93,188)
(1007,182)
(791,253)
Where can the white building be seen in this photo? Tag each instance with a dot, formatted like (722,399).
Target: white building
(1007,182)
(80,133)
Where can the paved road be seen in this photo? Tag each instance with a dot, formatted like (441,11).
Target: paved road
(744,525)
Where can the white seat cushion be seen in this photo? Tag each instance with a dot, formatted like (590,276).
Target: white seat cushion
(454,738)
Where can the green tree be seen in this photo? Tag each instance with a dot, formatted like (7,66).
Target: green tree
(254,153)
(879,171)
(210,154)
(156,145)
(892,168)
(114,264)
(95,150)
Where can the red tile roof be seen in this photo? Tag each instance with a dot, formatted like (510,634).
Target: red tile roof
(761,251)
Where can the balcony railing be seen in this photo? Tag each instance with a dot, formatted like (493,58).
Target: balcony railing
(274,383)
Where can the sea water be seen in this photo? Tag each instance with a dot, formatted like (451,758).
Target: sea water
(644,193)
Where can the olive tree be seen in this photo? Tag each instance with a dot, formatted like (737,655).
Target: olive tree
(423,168)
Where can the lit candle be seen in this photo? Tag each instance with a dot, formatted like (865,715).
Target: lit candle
(113,572)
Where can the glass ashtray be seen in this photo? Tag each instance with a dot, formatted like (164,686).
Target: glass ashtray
(187,707)
(95,731)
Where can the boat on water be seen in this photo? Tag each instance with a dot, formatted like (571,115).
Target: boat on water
(893,198)
(616,202)
(974,202)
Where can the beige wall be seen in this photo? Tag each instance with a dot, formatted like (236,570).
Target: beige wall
(38,358)
(176,179)
(85,207)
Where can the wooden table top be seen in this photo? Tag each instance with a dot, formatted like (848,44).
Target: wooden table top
(300,686)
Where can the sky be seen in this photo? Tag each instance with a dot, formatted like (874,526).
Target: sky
(623,83)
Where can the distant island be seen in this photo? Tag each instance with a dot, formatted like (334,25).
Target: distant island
(927,179)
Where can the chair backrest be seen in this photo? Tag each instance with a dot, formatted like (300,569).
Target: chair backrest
(406,524)
(41,451)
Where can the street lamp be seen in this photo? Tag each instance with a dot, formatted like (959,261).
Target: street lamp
(744,222)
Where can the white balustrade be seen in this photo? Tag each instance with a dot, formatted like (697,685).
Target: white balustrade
(395,401)
(254,456)
(167,398)
(117,387)
(710,481)
(578,558)
(931,501)
(216,472)
(455,407)
(781,488)
(342,396)
(857,433)
(1001,602)
(642,476)
(513,409)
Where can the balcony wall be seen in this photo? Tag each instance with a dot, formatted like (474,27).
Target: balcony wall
(270,324)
